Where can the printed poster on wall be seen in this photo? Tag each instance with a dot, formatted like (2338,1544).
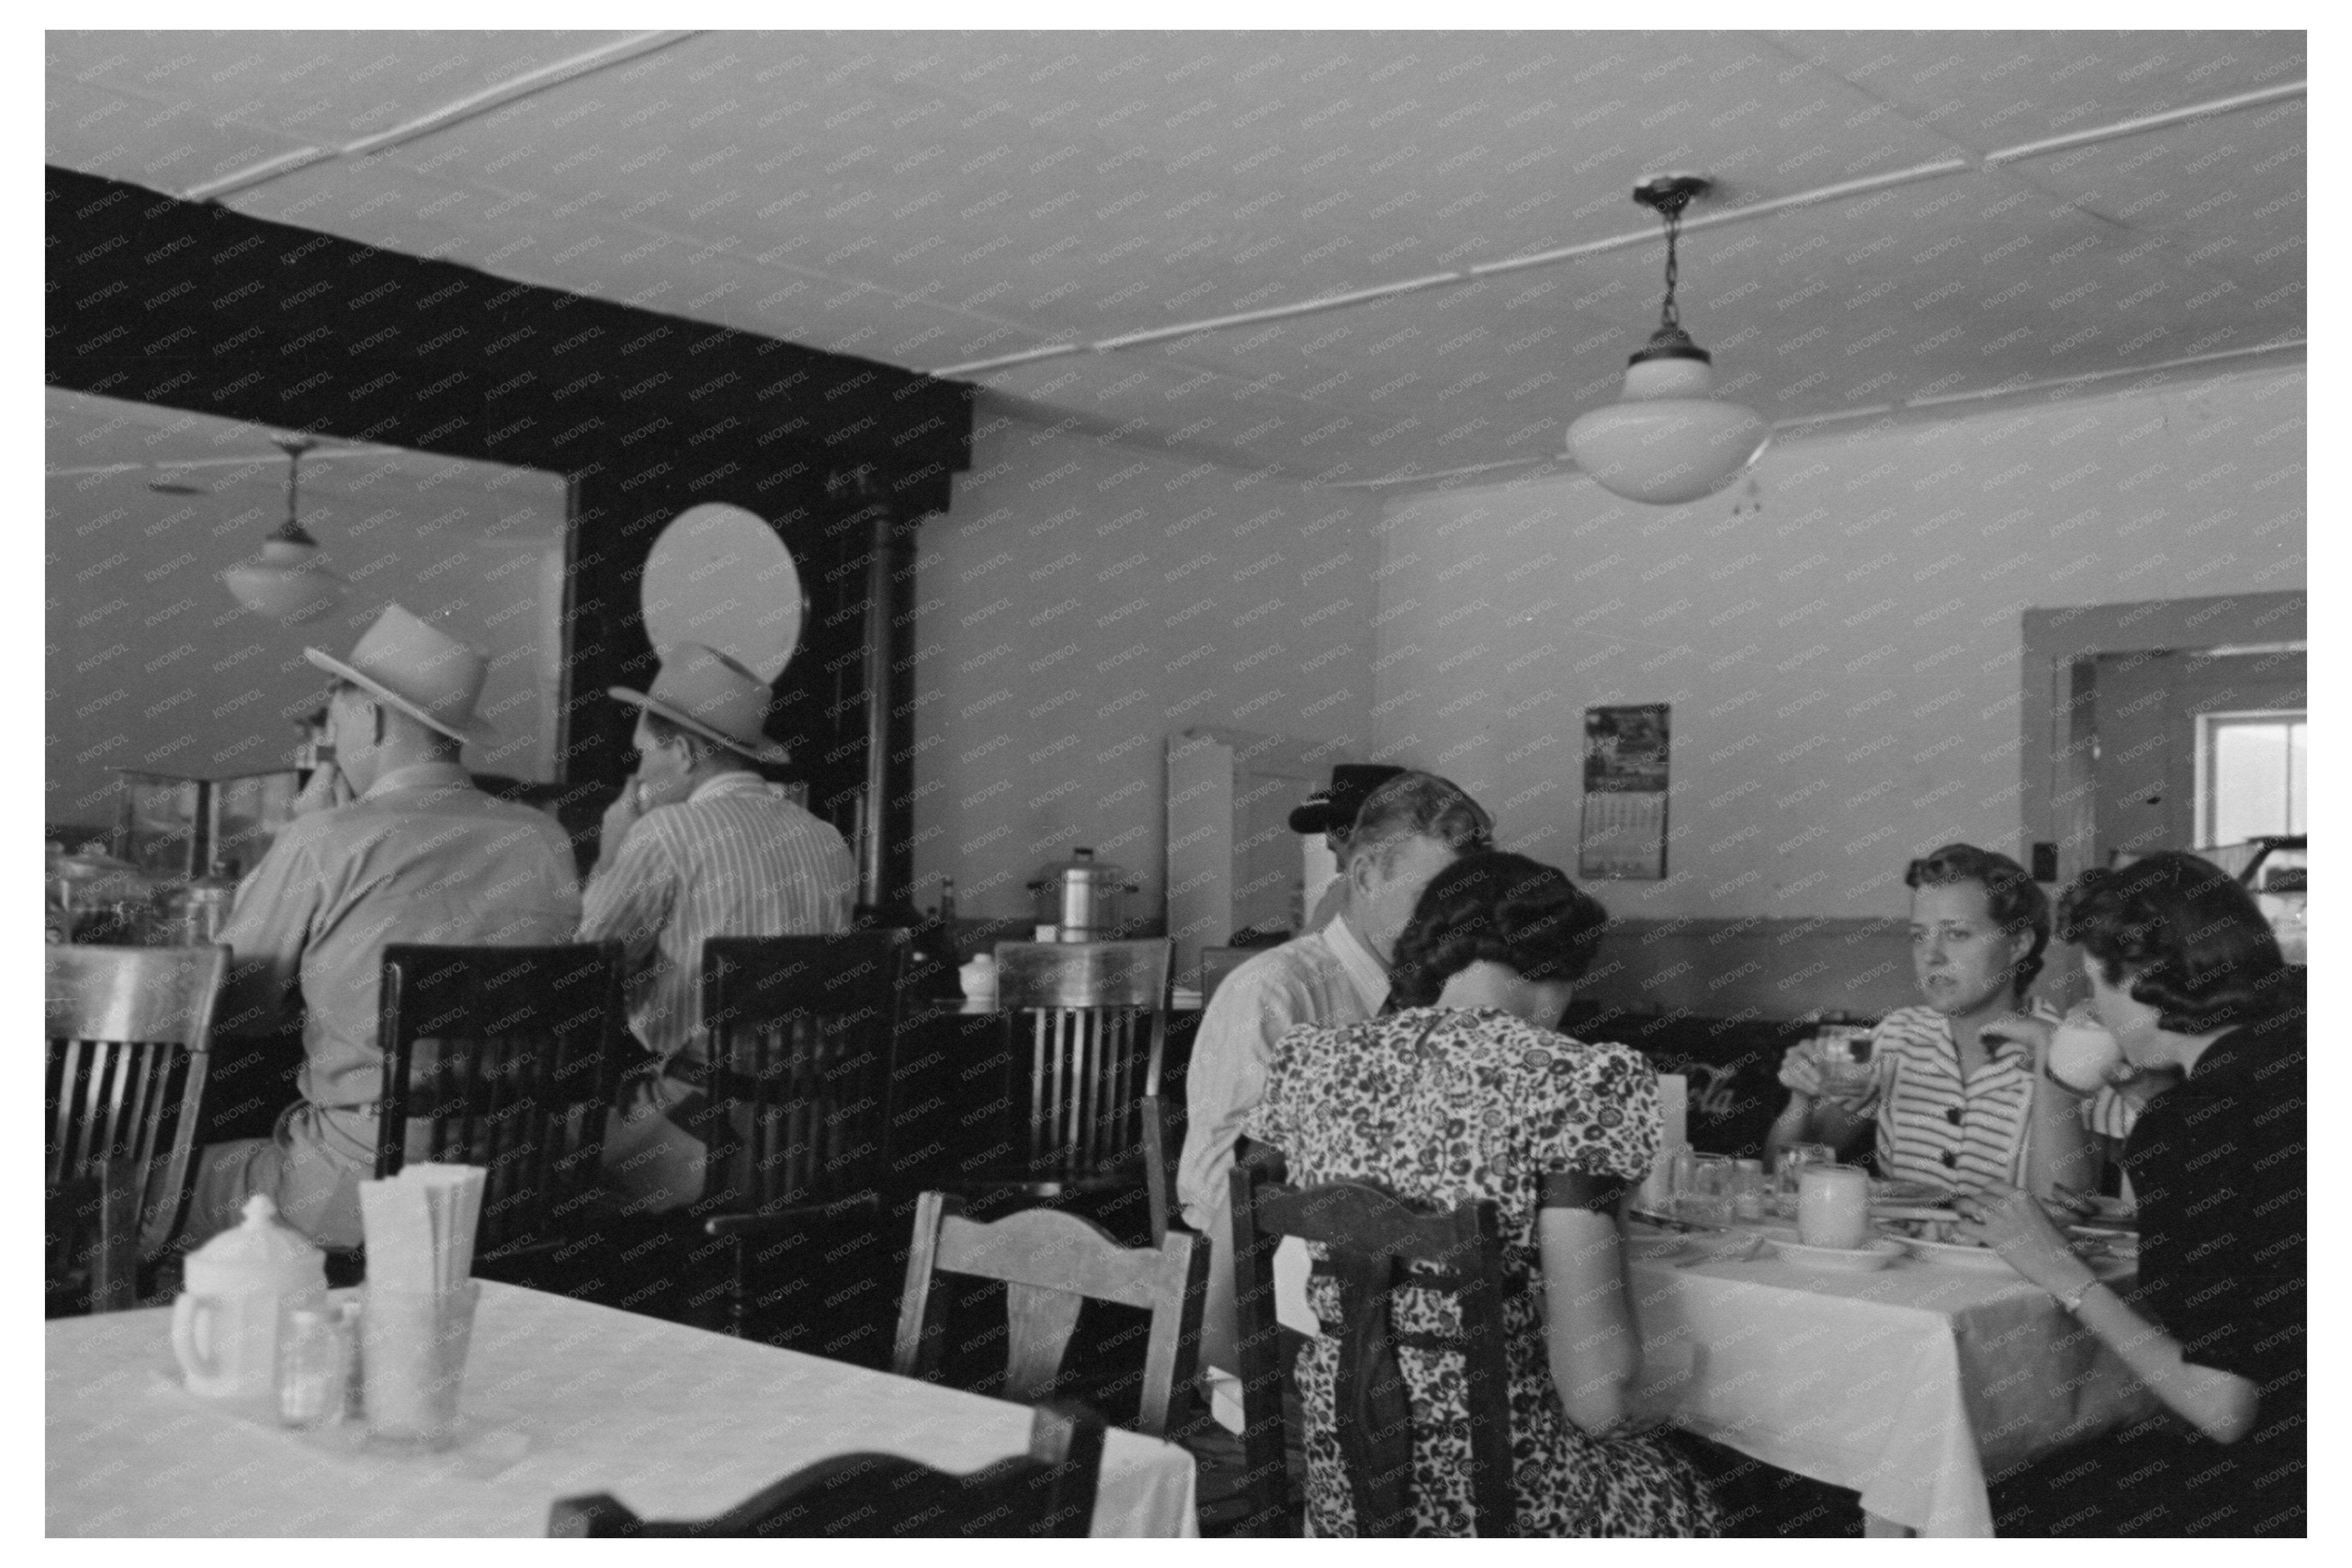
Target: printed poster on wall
(1622,835)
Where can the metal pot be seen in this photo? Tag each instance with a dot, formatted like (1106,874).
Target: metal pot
(1080,897)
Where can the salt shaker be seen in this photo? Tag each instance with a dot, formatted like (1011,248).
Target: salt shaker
(313,1368)
(1747,1189)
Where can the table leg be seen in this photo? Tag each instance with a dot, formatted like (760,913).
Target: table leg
(1874,1526)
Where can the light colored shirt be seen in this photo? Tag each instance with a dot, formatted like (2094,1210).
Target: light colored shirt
(734,858)
(1326,977)
(423,857)
(1935,1127)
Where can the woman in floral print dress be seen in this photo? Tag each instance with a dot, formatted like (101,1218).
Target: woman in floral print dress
(1466,1094)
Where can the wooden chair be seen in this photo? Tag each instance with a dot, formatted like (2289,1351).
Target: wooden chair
(1372,1237)
(130,1033)
(1049,1491)
(1050,1262)
(800,1087)
(1086,1031)
(508,1058)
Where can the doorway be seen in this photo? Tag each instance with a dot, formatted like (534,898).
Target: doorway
(2195,748)
(2092,673)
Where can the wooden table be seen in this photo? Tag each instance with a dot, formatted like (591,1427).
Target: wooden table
(1906,1386)
(560,1398)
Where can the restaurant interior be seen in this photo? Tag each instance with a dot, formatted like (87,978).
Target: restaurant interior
(1084,444)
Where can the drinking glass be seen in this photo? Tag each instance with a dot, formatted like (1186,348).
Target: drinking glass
(1794,1158)
(412,1346)
(1844,1061)
(1706,1198)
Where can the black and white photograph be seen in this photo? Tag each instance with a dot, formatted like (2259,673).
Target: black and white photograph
(1252,774)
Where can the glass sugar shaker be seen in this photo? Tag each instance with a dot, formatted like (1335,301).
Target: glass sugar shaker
(313,1368)
(1747,1189)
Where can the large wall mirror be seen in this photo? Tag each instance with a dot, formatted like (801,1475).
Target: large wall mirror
(152,663)
(718,576)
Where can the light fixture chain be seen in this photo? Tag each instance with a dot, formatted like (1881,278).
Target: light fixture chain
(1669,315)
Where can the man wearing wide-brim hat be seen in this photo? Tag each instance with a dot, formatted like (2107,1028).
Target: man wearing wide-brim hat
(699,844)
(391,843)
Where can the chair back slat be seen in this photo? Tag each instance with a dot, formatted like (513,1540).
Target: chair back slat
(1369,1233)
(801,1035)
(129,1039)
(1094,1017)
(1050,1260)
(504,1058)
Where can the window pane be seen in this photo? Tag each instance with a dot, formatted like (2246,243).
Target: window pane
(2297,793)
(2250,781)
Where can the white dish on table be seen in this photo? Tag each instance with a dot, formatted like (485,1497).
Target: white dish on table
(1649,1243)
(1881,1251)
(1961,1254)
(1917,1194)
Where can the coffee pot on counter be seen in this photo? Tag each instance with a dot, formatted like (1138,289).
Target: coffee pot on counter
(1080,899)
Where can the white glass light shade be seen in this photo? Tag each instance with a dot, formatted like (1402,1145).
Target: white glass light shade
(1666,441)
(285,583)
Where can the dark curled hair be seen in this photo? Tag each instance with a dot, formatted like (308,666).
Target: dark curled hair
(2192,942)
(1493,905)
(2013,900)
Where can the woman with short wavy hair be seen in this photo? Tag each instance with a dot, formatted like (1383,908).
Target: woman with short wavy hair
(2185,973)
(1957,1094)
(1468,1093)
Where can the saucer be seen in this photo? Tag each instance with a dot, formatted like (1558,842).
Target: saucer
(1646,1243)
(1844,1259)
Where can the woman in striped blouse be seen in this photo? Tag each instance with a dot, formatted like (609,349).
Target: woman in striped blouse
(1957,1090)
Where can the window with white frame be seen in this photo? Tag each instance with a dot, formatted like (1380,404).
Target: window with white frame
(2250,775)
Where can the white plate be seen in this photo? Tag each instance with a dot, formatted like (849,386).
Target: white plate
(1645,1244)
(1960,1254)
(1849,1260)
(1917,1194)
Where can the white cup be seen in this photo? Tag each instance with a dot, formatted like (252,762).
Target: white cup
(2082,1054)
(1834,1206)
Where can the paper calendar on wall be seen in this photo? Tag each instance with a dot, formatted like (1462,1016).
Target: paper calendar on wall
(1623,834)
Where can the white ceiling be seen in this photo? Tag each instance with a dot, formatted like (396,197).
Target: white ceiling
(940,201)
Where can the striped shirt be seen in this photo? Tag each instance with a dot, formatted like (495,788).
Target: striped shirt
(1932,1126)
(735,858)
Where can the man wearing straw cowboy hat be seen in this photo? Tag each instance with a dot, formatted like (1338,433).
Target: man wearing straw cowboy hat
(699,845)
(390,843)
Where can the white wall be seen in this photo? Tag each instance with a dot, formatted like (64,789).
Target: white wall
(1844,665)
(1083,601)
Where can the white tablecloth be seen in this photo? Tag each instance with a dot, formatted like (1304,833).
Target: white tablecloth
(1904,1384)
(560,1398)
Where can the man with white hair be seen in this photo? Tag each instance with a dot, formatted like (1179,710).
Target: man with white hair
(1408,829)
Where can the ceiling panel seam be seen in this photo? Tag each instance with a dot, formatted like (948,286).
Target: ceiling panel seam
(1937,169)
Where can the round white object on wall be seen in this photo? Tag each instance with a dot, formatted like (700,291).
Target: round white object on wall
(720,576)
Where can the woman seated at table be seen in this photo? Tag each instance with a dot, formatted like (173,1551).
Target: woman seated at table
(1467,1094)
(2186,973)
(1957,1088)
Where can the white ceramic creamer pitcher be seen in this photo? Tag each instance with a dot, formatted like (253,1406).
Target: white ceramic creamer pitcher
(239,1286)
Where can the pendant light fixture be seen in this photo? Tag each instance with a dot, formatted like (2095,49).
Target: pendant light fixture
(1666,440)
(285,582)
